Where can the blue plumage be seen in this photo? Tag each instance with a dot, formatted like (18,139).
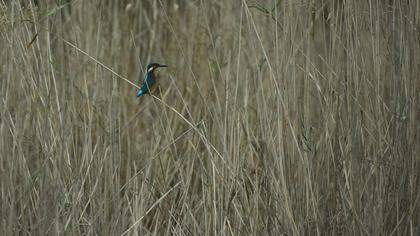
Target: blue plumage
(149,83)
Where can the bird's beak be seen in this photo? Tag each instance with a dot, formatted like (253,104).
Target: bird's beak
(163,66)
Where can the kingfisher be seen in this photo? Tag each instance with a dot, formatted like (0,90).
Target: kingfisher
(150,80)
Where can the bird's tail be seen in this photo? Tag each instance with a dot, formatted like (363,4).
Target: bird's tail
(140,93)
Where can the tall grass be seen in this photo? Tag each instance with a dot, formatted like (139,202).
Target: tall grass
(274,117)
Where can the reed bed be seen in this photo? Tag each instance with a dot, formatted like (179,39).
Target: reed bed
(273,118)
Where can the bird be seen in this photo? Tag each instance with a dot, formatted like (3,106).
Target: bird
(150,81)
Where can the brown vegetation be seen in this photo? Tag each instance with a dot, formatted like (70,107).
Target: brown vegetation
(274,117)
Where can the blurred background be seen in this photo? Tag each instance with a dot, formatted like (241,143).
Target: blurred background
(274,117)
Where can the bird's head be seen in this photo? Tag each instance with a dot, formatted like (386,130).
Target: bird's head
(153,66)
